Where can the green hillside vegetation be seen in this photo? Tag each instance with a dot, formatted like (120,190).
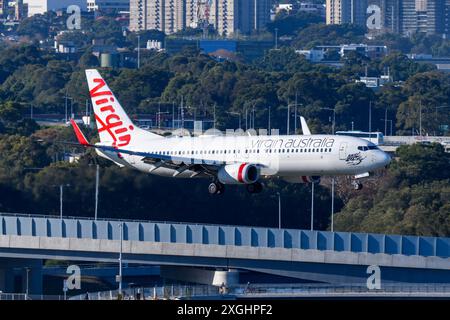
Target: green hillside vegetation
(412,198)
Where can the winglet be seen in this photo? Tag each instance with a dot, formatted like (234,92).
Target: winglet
(80,136)
(305,129)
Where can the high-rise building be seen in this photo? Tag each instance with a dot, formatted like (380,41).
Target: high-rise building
(447,19)
(3,4)
(424,16)
(168,16)
(346,11)
(108,5)
(231,17)
(398,16)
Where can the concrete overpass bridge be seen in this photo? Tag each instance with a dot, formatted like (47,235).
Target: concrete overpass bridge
(188,251)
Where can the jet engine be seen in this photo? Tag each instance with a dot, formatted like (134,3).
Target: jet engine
(239,174)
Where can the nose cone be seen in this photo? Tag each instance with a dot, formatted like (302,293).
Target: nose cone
(385,159)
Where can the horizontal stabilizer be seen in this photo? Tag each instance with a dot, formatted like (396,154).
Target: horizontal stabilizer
(80,136)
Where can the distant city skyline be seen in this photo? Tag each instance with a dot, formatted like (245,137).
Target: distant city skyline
(398,16)
(228,17)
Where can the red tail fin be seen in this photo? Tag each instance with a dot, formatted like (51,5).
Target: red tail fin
(80,136)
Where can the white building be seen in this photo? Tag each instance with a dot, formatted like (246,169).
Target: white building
(43,6)
(312,55)
(108,5)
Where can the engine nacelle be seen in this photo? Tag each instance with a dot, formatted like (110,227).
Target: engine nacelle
(239,174)
(303,179)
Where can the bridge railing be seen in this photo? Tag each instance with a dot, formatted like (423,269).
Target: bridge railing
(249,290)
(179,233)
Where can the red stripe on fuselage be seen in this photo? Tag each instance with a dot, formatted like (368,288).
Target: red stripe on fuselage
(241,169)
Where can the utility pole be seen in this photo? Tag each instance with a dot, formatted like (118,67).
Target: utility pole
(97,180)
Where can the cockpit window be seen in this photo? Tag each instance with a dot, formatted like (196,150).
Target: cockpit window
(369,147)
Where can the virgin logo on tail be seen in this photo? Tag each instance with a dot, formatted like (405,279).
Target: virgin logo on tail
(112,124)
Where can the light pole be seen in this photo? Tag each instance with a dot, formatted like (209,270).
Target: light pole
(312,205)
(279,210)
(332,204)
(276,38)
(370,118)
(97,181)
(270,133)
(334,119)
(390,121)
(61,194)
(120,257)
(440,107)
(289,115)
(139,52)
(158,117)
(27,284)
(420,118)
(238,114)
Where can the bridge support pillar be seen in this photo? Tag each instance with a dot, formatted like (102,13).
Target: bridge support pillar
(201,276)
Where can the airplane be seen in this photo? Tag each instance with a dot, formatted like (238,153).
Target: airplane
(226,160)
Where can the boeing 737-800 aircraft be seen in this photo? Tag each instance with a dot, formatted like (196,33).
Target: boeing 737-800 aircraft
(245,160)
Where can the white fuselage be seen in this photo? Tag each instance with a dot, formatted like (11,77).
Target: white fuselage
(277,156)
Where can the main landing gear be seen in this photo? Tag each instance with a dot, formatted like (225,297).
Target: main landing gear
(357,185)
(255,187)
(216,187)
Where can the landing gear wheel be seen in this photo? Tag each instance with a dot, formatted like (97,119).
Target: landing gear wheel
(254,187)
(216,188)
(357,185)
